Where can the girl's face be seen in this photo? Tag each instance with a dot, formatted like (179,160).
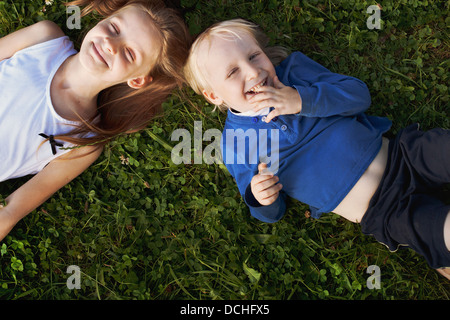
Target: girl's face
(123,47)
(235,69)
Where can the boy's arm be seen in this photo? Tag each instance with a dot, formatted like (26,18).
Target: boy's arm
(39,32)
(270,213)
(267,213)
(39,188)
(323,93)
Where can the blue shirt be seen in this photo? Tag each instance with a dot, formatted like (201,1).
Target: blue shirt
(322,151)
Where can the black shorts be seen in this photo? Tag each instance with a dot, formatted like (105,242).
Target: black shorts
(406,209)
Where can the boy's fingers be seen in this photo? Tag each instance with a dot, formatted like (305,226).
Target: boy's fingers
(263,90)
(261,106)
(265,93)
(266,183)
(259,178)
(272,114)
(263,103)
(259,97)
(274,190)
(271,195)
(277,83)
(268,201)
(261,167)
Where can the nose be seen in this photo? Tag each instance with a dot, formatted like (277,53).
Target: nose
(252,71)
(110,45)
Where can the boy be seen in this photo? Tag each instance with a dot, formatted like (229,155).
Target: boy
(332,156)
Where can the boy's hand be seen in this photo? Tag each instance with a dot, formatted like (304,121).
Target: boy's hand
(285,100)
(264,186)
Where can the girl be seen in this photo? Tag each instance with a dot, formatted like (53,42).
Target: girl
(59,107)
(332,156)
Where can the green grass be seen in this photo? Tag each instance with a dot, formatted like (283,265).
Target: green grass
(141,227)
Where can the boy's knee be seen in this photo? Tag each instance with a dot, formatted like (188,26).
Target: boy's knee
(444,272)
(447,232)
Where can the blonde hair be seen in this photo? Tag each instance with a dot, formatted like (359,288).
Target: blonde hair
(194,72)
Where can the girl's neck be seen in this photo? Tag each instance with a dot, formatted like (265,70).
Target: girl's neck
(74,92)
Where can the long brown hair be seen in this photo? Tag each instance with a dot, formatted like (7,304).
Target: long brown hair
(122,109)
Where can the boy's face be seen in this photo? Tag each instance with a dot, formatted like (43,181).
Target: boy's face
(121,47)
(235,69)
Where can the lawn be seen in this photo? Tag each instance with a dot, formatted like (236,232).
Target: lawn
(139,226)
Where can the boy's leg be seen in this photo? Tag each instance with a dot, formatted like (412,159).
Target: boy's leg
(407,211)
(430,155)
(429,152)
(433,156)
(446,271)
(447,231)
(423,224)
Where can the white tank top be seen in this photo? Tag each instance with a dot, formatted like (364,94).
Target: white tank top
(26,109)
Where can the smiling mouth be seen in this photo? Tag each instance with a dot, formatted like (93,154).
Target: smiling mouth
(255,89)
(99,56)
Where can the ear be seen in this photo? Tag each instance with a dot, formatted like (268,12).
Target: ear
(211,97)
(139,82)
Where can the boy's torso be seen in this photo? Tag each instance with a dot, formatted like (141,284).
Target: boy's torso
(321,160)
(356,203)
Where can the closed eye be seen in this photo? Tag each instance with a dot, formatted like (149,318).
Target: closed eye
(116,30)
(233,71)
(131,56)
(254,55)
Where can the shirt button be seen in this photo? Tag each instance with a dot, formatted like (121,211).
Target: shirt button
(284,127)
(255,119)
(263,118)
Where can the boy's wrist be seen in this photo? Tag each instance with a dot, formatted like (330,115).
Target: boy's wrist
(298,101)
(250,198)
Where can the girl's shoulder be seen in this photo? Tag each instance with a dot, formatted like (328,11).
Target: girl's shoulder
(21,39)
(45,30)
(40,32)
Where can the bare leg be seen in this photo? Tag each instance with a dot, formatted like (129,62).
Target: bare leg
(447,231)
(446,271)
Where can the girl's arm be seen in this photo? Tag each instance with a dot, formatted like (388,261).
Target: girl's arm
(39,188)
(39,32)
